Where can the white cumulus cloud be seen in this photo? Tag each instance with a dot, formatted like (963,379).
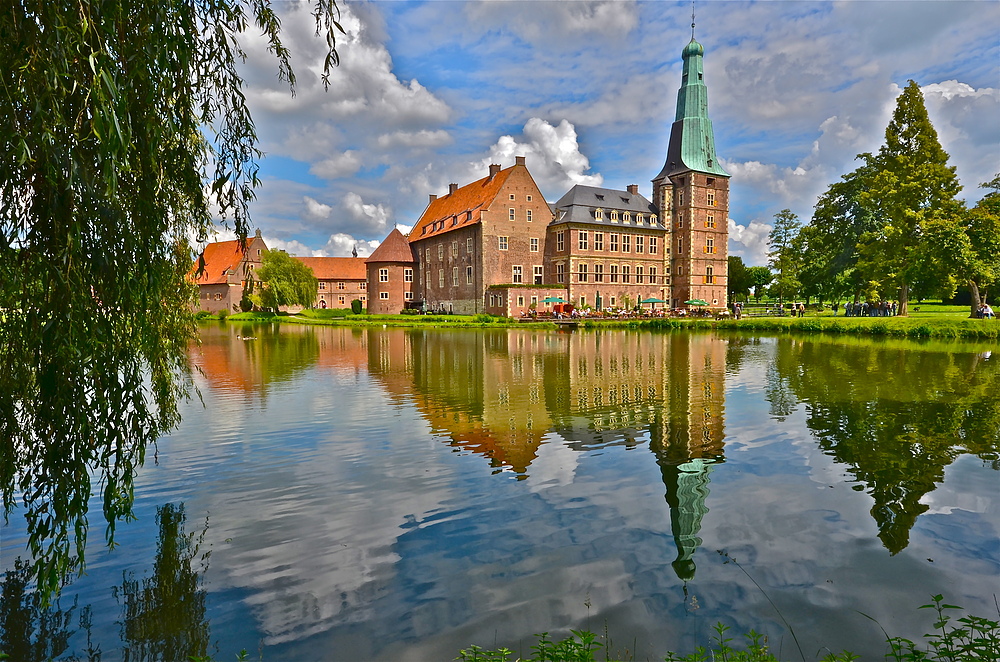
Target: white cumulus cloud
(552,154)
(749,241)
(337,166)
(370,216)
(343,245)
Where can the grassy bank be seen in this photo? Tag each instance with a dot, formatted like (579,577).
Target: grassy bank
(940,322)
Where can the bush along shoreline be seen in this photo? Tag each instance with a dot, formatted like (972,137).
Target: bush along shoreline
(955,637)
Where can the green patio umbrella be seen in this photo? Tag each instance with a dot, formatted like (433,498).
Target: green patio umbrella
(696,302)
(553,300)
(653,300)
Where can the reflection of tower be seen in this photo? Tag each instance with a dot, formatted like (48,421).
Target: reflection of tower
(687,490)
(688,438)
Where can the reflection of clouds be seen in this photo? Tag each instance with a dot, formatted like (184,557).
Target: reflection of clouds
(554,466)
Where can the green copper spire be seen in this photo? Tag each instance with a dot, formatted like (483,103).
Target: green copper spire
(692,141)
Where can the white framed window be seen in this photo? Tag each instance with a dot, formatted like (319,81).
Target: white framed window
(341,286)
(468,245)
(383,295)
(598,273)
(468,275)
(408,296)
(613,274)
(528,198)
(342,299)
(440,277)
(502,243)
(520,301)
(709,274)
(510,214)
(599,214)
(710,221)
(517,275)
(652,219)
(598,241)
(626,273)
(383,275)
(322,285)
(454,275)
(560,241)
(538,274)
(626,243)
(613,242)
(652,245)
(511,196)
(711,198)
(583,241)
(627,217)
(533,244)
(639,218)
(639,274)
(581,273)
(440,251)
(652,275)
(454,249)
(640,243)
(680,245)
(680,198)
(710,245)
(407,275)
(560,273)
(534,300)
(527,215)
(363,285)
(614,215)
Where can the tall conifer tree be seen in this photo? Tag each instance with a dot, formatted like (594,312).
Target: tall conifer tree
(911,187)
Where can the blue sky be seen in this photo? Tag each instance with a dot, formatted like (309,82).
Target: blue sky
(430,93)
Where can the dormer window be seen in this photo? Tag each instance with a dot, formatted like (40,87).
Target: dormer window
(627,217)
(599,214)
(652,219)
(599,196)
(614,216)
(638,219)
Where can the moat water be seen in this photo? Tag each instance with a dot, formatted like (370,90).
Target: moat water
(398,494)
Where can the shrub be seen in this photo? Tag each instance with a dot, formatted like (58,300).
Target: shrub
(203,315)
(223,314)
(356,306)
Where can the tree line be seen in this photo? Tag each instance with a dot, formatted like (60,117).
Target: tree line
(892,229)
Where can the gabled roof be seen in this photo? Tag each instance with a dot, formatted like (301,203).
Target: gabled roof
(459,209)
(393,248)
(217,258)
(580,203)
(336,268)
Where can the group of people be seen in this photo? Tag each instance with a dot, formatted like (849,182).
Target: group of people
(866,309)
(985,312)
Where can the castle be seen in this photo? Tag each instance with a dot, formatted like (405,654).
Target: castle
(496,246)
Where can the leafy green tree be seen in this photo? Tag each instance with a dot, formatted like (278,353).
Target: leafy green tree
(909,187)
(785,254)
(122,123)
(839,220)
(979,265)
(285,281)
(760,278)
(738,278)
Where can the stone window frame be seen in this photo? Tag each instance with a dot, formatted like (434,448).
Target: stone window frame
(407,275)
(503,243)
(517,274)
(383,275)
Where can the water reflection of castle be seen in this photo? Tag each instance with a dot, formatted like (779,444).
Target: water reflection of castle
(501,394)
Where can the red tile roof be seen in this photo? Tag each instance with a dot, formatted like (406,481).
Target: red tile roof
(393,248)
(217,258)
(336,268)
(459,209)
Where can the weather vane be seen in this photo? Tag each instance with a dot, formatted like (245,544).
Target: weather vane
(692,20)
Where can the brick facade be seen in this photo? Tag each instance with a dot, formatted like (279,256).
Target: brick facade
(222,270)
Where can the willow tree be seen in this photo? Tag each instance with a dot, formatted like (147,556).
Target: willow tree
(909,188)
(122,123)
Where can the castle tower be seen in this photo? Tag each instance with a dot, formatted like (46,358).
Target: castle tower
(692,191)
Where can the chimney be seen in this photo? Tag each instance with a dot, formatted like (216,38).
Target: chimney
(433,197)
(494,169)
(519,160)
(452,188)
(633,189)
